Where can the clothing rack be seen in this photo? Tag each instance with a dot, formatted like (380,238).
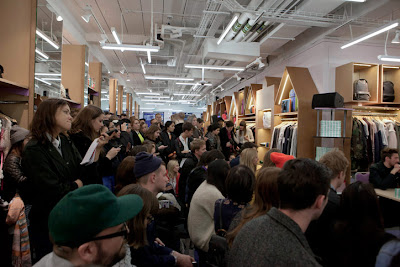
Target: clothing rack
(374,114)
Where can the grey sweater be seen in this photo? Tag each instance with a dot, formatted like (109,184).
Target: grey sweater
(271,240)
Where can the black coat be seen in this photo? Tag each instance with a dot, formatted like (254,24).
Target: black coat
(126,139)
(166,141)
(81,141)
(178,129)
(136,139)
(188,166)
(179,147)
(194,180)
(223,136)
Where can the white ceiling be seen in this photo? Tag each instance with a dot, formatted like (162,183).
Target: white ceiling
(132,20)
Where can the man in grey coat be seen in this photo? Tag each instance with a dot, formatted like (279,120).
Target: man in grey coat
(277,238)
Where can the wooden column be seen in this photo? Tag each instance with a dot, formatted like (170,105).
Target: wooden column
(73,71)
(95,74)
(120,99)
(17,56)
(130,105)
(136,110)
(112,100)
(127,104)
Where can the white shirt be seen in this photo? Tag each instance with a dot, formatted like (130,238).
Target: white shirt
(56,142)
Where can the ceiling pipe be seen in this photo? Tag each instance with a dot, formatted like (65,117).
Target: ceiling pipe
(247,28)
(253,30)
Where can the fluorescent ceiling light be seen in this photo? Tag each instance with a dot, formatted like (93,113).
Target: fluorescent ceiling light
(389,58)
(42,54)
(167,78)
(156,96)
(114,33)
(47,39)
(157,100)
(141,64)
(87,64)
(362,65)
(130,47)
(128,80)
(187,94)
(202,108)
(227,29)
(157,104)
(59,18)
(42,81)
(47,74)
(206,84)
(148,56)
(396,39)
(148,108)
(86,17)
(51,79)
(366,36)
(212,67)
(145,93)
(359,1)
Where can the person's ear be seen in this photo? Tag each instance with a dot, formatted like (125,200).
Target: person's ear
(153,177)
(320,202)
(88,252)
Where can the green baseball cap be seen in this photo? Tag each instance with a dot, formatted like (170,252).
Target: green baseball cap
(83,213)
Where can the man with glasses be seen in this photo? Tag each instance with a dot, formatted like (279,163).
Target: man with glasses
(87,227)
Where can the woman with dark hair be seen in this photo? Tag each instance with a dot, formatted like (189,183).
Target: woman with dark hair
(239,187)
(244,134)
(153,135)
(125,175)
(266,196)
(168,139)
(201,212)
(359,233)
(213,141)
(199,174)
(52,164)
(141,239)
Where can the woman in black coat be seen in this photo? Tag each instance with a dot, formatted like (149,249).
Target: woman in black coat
(52,164)
(168,139)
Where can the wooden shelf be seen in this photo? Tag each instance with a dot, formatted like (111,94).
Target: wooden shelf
(73,103)
(13,88)
(295,113)
(91,91)
(246,115)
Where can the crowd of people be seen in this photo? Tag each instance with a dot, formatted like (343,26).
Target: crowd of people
(149,188)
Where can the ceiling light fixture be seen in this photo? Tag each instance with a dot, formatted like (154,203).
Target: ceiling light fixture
(359,1)
(148,56)
(227,29)
(114,33)
(157,104)
(206,84)
(389,58)
(183,94)
(148,108)
(368,35)
(157,100)
(396,39)
(59,18)
(87,64)
(43,81)
(47,74)
(130,47)
(141,64)
(212,67)
(51,79)
(41,53)
(146,93)
(86,17)
(153,97)
(167,78)
(47,39)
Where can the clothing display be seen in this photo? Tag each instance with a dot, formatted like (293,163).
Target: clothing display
(284,137)
(370,135)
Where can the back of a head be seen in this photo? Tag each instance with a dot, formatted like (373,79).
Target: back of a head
(181,116)
(247,158)
(359,203)
(301,181)
(267,158)
(248,145)
(137,149)
(229,124)
(124,175)
(240,184)
(217,172)
(212,127)
(210,156)
(266,193)
(336,161)
(187,126)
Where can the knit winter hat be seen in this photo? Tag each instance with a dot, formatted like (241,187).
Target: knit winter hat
(17,134)
(145,163)
(279,159)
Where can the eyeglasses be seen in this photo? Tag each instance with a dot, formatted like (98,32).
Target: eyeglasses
(123,233)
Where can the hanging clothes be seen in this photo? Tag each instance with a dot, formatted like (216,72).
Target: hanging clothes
(284,137)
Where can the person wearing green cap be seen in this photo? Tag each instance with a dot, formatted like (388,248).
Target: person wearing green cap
(87,227)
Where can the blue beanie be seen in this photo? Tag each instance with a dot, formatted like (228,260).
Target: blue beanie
(145,163)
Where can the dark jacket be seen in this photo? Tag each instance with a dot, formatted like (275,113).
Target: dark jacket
(286,246)
(178,129)
(51,176)
(223,135)
(115,142)
(126,139)
(81,141)
(381,177)
(167,141)
(188,166)
(194,180)
(14,178)
(179,147)
(136,139)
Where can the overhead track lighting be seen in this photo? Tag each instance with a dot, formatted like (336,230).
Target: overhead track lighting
(146,93)
(43,81)
(148,56)
(47,74)
(187,94)
(51,79)
(114,33)
(167,78)
(384,28)
(212,67)
(359,1)
(130,47)
(227,29)
(389,58)
(88,13)
(205,84)
(153,97)
(41,53)
(47,39)
(141,64)
(86,17)
(59,18)
(396,39)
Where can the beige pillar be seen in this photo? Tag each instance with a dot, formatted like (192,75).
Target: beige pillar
(130,105)
(113,95)
(120,99)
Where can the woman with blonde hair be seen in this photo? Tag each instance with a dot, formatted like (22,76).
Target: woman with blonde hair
(173,175)
(266,196)
(249,158)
